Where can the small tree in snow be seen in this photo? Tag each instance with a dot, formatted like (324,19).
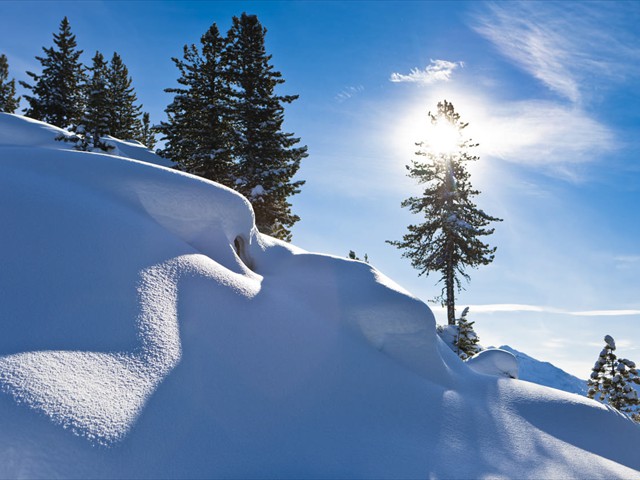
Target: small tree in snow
(8,100)
(449,239)
(147,135)
(611,380)
(352,256)
(466,339)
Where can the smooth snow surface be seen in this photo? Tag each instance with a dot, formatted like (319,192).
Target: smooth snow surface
(494,361)
(149,331)
(544,373)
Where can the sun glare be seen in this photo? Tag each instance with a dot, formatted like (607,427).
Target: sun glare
(442,138)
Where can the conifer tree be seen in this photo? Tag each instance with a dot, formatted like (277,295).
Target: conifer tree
(147,135)
(95,121)
(198,132)
(352,256)
(466,342)
(123,113)
(58,91)
(611,379)
(8,100)
(449,239)
(266,157)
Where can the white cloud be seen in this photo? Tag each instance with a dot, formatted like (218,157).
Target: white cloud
(508,307)
(349,92)
(570,50)
(541,133)
(436,71)
(605,313)
(514,307)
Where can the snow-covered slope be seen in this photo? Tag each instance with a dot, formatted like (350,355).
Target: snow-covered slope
(148,330)
(545,373)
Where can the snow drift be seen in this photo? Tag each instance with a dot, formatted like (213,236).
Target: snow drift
(149,330)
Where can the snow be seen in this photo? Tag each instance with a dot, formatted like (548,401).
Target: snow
(544,373)
(494,361)
(137,343)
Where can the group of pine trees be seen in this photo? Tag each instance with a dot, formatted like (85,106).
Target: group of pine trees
(92,101)
(225,122)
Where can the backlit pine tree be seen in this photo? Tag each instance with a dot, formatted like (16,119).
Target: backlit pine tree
(198,133)
(449,239)
(611,381)
(266,157)
(123,113)
(8,100)
(58,96)
(466,343)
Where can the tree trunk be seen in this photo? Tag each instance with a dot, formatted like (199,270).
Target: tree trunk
(451,301)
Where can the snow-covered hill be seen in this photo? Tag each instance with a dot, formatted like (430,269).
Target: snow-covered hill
(544,373)
(147,329)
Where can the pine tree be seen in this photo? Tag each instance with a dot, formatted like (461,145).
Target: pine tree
(611,379)
(448,240)
(352,256)
(95,121)
(58,91)
(266,157)
(466,343)
(147,135)
(198,132)
(8,100)
(123,113)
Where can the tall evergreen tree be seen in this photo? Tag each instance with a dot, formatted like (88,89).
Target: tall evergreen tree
(57,92)
(449,239)
(267,158)
(611,379)
(8,100)
(95,121)
(124,115)
(198,132)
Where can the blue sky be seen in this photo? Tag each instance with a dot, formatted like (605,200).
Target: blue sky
(551,92)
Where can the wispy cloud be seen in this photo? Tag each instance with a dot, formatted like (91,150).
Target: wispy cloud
(543,134)
(605,313)
(568,49)
(514,307)
(349,92)
(626,262)
(436,71)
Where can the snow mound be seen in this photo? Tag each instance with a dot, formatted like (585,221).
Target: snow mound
(494,361)
(148,330)
(544,373)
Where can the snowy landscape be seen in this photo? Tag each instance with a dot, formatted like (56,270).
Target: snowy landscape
(150,331)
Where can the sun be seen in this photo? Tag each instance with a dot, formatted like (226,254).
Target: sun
(442,138)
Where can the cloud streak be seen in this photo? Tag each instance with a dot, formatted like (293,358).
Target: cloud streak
(436,71)
(569,50)
(515,307)
(349,92)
